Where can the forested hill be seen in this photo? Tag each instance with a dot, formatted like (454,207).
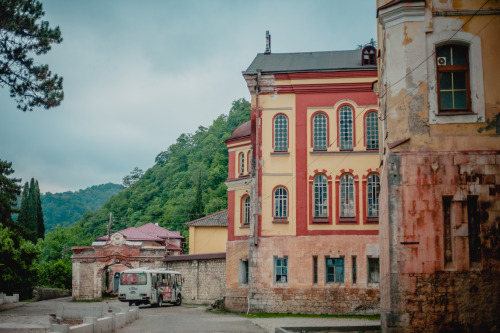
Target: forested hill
(186,182)
(68,207)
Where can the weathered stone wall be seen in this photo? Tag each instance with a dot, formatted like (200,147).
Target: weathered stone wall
(429,284)
(300,294)
(40,294)
(204,279)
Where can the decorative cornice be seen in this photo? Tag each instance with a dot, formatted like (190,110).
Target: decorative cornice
(402,12)
(321,88)
(466,12)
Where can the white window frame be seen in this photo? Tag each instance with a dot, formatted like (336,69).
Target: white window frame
(473,42)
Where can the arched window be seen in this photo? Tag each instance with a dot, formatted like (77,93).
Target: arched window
(320,189)
(246,210)
(373,190)
(371,131)
(369,55)
(453,78)
(242,163)
(280,202)
(280,133)
(345,128)
(320,135)
(347,203)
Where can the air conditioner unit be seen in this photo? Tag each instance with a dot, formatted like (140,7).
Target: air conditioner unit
(441,61)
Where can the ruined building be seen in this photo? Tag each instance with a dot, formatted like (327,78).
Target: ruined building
(439,93)
(303,186)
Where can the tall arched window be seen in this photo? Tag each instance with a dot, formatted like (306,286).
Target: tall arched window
(371,131)
(246,210)
(242,163)
(453,78)
(320,136)
(347,201)
(345,128)
(280,133)
(373,190)
(280,202)
(320,189)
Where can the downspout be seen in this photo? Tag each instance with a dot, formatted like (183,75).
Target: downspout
(257,162)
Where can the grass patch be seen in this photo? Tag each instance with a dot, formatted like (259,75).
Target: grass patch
(27,300)
(296,315)
(104,298)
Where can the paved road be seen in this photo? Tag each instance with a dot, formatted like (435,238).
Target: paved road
(188,319)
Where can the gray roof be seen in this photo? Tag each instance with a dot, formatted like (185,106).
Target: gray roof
(327,61)
(218,219)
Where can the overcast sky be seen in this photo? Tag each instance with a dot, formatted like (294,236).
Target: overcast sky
(137,74)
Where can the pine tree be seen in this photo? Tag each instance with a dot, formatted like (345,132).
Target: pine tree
(39,212)
(30,215)
(9,190)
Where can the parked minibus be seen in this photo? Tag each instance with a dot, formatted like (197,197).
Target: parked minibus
(150,286)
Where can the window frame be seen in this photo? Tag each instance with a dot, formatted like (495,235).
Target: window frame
(314,130)
(277,135)
(377,136)
(334,265)
(352,196)
(280,218)
(340,129)
(241,163)
(280,267)
(324,195)
(368,263)
(245,211)
(454,69)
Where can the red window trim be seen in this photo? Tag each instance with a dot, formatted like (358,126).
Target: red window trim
(280,219)
(327,129)
(353,124)
(287,132)
(320,220)
(242,212)
(364,129)
(346,220)
(366,219)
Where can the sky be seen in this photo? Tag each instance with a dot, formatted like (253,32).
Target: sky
(138,74)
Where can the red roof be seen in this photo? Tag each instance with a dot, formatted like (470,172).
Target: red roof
(147,232)
(173,247)
(242,131)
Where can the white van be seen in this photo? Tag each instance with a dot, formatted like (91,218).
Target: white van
(150,286)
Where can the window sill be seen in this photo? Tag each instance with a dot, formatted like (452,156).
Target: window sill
(372,220)
(348,220)
(321,220)
(280,220)
(245,226)
(456,113)
(280,153)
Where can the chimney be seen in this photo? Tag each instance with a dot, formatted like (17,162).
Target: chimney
(268,43)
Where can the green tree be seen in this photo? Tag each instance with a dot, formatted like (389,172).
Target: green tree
(372,42)
(9,191)
(134,176)
(22,33)
(30,214)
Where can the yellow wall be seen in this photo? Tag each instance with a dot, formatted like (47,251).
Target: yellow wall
(207,239)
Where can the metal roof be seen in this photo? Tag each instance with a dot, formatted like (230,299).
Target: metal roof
(146,232)
(244,130)
(308,62)
(218,219)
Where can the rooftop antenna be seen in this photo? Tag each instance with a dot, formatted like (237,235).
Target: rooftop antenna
(268,43)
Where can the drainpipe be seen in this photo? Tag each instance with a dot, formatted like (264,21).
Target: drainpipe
(255,152)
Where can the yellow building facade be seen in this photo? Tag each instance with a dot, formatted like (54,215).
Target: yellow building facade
(208,234)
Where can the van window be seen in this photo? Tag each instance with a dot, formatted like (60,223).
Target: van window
(133,278)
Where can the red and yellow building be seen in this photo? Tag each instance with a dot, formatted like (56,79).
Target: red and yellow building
(303,186)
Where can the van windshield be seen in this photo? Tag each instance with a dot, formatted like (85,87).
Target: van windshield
(133,278)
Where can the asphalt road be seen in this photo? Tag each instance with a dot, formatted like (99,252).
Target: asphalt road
(186,319)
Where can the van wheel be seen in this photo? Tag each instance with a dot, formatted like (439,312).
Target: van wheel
(178,302)
(160,301)
(131,303)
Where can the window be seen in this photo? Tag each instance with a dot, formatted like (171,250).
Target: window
(334,269)
(448,248)
(280,269)
(474,229)
(243,272)
(246,210)
(368,54)
(371,131)
(373,190)
(453,78)
(373,270)
(242,163)
(347,203)
(280,202)
(320,135)
(345,128)
(354,273)
(315,269)
(280,133)
(320,188)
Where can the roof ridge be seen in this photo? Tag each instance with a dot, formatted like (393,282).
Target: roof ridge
(205,217)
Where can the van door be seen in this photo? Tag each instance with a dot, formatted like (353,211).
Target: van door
(154,289)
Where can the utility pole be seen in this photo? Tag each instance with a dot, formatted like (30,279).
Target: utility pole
(109,224)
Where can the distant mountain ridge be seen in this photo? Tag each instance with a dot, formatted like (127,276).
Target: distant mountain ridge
(68,207)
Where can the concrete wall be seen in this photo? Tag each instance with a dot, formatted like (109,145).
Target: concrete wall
(204,279)
(40,293)
(8,299)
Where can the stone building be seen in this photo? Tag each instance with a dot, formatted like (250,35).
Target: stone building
(439,97)
(96,268)
(303,186)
